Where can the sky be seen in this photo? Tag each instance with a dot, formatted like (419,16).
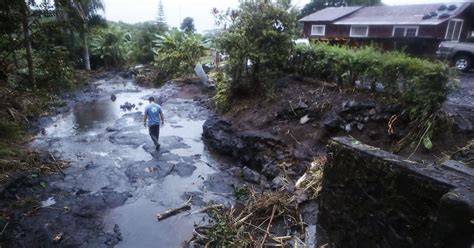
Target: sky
(133,11)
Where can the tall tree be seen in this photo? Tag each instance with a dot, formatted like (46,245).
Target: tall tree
(188,25)
(161,18)
(25,13)
(316,5)
(261,34)
(85,10)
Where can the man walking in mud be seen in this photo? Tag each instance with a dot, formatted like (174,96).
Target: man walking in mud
(155,118)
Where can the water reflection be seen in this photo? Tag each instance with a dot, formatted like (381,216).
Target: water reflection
(88,115)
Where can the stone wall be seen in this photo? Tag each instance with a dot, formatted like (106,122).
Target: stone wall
(372,198)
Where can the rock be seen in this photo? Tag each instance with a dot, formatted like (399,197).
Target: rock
(270,170)
(113,97)
(333,122)
(366,119)
(304,119)
(348,127)
(250,176)
(127,106)
(465,154)
(372,112)
(219,135)
(236,171)
(277,183)
(111,129)
(360,126)
(301,106)
(350,106)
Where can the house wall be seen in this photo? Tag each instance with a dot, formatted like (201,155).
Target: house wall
(426,43)
(468,25)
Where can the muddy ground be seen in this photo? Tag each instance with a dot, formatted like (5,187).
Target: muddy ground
(116,182)
(305,113)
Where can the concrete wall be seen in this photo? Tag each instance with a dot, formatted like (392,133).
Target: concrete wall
(372,198)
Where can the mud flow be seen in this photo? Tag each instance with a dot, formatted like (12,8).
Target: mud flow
(113,160)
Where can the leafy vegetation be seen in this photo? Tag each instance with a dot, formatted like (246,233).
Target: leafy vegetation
(258,40)
(421,85)
(176,53)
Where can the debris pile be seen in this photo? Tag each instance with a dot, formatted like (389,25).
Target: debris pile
(258,219)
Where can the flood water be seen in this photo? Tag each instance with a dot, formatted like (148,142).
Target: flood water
(109,149)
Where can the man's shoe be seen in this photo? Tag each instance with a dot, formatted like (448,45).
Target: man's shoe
(158,147)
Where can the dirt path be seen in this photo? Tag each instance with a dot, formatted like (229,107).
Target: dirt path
(116,182)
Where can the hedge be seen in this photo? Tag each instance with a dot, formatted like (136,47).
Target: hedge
(419,82)
(421,85)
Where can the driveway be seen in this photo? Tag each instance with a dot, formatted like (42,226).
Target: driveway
(460,103)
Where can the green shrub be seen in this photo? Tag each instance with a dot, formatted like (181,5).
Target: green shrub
(222,97)
(176,53)
(258,40)
(54,70)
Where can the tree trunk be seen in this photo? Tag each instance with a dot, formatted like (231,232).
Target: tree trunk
(27,44)
(15,57)
(85,51)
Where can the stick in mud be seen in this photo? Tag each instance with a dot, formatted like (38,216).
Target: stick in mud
(56,164)
(174,211)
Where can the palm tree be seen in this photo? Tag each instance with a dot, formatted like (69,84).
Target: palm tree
(85,10)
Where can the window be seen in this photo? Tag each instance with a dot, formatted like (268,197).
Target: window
(411,32)
(453,32)
(359,31)
(400,31)
(318,30)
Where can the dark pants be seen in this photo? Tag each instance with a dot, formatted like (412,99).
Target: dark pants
(154,133)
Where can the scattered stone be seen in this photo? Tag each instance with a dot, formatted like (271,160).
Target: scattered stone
(350,106)
(127,106)
(304,119)
(270,170)
(113,97)
(348,127)
(301,106)
(333,122)
(111,129)
(360,126)
(277,183)
(251,176)
(372,112)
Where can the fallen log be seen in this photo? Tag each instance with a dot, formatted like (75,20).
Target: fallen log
(174,211)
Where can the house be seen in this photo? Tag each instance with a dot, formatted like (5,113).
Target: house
(416,28)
